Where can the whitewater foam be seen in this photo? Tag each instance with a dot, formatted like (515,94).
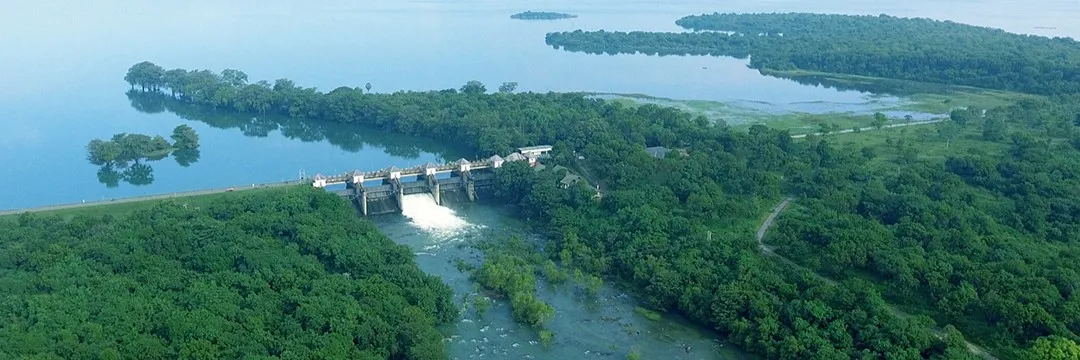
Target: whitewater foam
(432,218)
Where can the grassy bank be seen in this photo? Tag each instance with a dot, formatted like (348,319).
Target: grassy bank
(897,98)
(919,96)
(122,207)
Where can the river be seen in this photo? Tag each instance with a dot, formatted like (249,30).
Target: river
(61,85)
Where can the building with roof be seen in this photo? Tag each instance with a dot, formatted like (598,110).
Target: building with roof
(658,152)
(516,157)
(534,150)
(496,161)
(318,181)
(569,180)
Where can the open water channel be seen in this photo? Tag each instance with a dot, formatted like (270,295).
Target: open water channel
(61,86)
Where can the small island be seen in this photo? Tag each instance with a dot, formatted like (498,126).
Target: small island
(542,15)
(130,152)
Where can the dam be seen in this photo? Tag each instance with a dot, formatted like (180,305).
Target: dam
(387,187)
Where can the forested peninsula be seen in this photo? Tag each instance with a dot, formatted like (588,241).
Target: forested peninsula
(272,275)
(883,46)
(680,229)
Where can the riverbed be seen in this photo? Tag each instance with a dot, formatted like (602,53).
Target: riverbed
(604,327)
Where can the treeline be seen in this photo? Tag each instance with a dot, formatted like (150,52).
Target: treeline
(542,15)
(679,229)
(348,137)
(881,46)
(267,275)
(487,124)
(987,240)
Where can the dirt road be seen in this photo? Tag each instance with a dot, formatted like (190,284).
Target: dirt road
(869,128)
(768,250)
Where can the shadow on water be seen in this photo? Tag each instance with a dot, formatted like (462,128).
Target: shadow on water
(348,137)
(139,172)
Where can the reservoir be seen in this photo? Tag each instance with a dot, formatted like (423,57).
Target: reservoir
(61,79)
(61,85)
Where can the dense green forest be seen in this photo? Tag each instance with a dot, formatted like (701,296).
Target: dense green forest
(917,49)
(988,240)
(542,15)
(680,229)
(266,275)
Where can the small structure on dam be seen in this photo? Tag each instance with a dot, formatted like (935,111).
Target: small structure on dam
(379,186)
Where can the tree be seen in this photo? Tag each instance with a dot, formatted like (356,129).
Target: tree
(508,87)
(367,87)
(184,137)
(473,87)
(879,120)
(947,130)
(145,75)
(102,152)
(175,80)
(234,77)
(993,129)
(824,128)
(1053,348)
(963,117)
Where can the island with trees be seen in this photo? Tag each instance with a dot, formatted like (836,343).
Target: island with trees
(541,15)
(129,153)
(925,50)
(269,274)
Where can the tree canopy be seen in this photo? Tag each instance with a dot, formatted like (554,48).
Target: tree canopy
(884,46)
(680,230)
(269,275)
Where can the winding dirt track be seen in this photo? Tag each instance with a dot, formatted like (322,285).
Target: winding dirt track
(768,251)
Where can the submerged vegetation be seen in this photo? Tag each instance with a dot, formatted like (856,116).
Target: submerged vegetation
(130,153)
(923,50)
(267,275)
(542,15)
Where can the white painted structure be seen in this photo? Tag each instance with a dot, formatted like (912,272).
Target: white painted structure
(464,165)
(497,161)
(430,169)
(357,177)
(395,173)
(534,151)
(319,181)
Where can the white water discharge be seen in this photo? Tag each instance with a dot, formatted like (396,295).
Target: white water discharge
(430,217)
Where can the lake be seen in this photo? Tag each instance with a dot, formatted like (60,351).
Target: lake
(61,85)
(61,78)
